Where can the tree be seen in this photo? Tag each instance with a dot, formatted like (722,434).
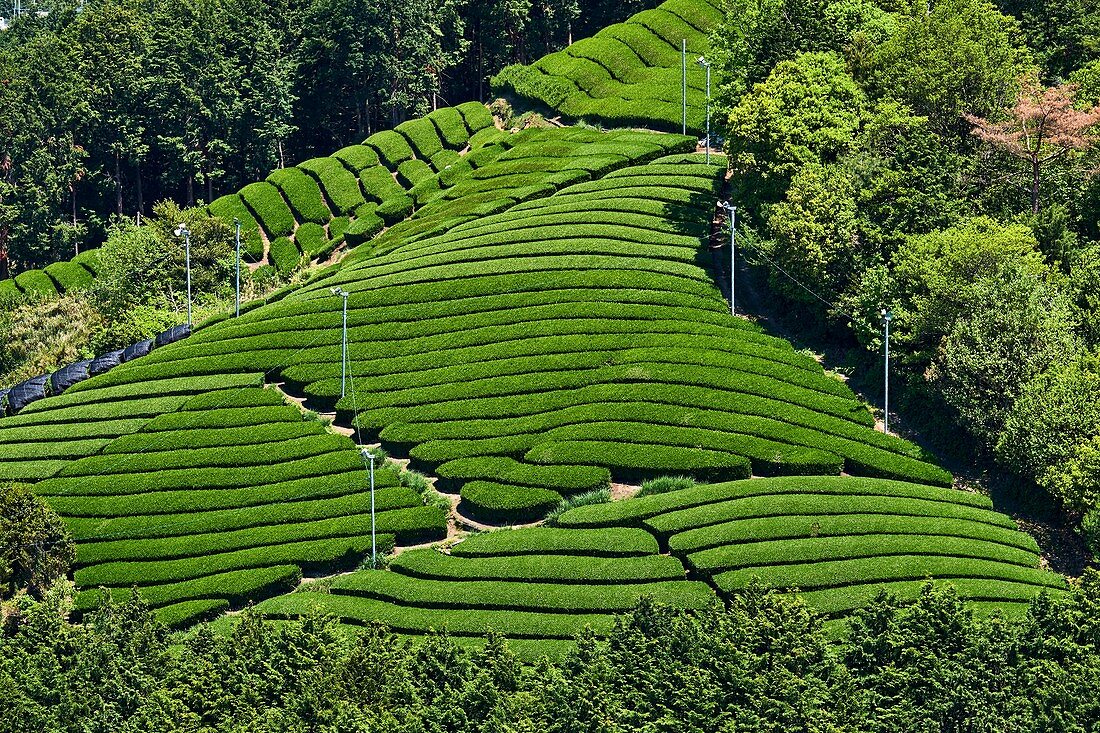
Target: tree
(1058,412)
(1041,128)
(949,58)
(35,546)
(808,110)
(1063,34)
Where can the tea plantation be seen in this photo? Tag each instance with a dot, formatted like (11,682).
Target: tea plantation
(531,316)
(629,73)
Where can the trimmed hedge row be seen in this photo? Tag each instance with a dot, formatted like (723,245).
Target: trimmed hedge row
(125,408)
(327,554)
(820,549)
(490,501)
(269,209)
(613,542)
(69,431)
(788,504)
(413,523)
(340,186)
(213,437)
(511,596)
(303,194)
(837,573)
(230,207)
(69,276)
(803,526)
(392,148)
(848,598)
(186,613)
(637,461)
(430,564)
(235,587)
(422,136)
(561,477)
(311,498)
(464,622)
(636,510)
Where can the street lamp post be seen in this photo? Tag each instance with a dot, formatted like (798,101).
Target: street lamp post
(183,231)
(706,65)
(684,82)
(343,340)
(732,211)
(886,317)
(373,546)
(237,224)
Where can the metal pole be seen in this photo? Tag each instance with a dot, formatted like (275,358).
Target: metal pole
(886,315)
(373,545)
(237,223)
(684,64)
(187,250)
(344,347)
(733,260)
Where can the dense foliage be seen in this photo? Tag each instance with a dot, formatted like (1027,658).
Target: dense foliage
(763,664)
(36,549)
(934,160)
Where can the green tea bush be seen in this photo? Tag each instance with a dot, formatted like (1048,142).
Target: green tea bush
(357,157)
(611,542)
(379,184)
(69,276)
(310,238)
(392,148)
(451,127)
(303,194)
(585,498)
(431,564)
(491,501)
(269,208)
(284,255)
(340,186)
(35,282)
(422,136)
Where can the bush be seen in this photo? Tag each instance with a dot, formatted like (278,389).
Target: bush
(412,172)
(303,194)
(495,502)
(310,238)
(35,282)
(394,210)
(69,276)
(379,184)
(612,542)
(365,227)
(231,207)
(431,564)
(665,484)
(357,157)
(392,148)
(35,547)
(269,208)
(586,498)
(235,587)
(341,187)
(422,136)
(284,256)
(451,127)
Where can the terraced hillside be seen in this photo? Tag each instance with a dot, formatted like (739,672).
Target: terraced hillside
(308,210)
(202,491)
(629,73)
(544,323)
(841,540)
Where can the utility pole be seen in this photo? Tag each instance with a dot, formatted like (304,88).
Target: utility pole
(237,224)
(183,231)
(706,65)
(373,543)
(732,211)
(886,317)
(343,341)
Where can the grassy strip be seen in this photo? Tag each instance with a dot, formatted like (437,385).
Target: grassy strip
(431,564)
(138,407)
(216,417)
(636,460)
(69,431)
(787,504)
(214,437)
(56,450)
(235,587)
(30,470)
(509,596)
(186,613)
(834,601)
(317,554)
(200,478)
(632,512)
(490,501)
(130,464)
(414,523)
(256,504)
(564,478)
(522,624)
(819,549)
(615,542)
(836,573)
(86,393)
(801,526)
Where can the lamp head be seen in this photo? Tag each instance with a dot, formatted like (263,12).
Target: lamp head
(181,230)
(886,314)
(702,61)
(339,291)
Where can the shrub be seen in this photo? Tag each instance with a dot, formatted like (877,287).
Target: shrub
(284,255)
(567,478)
(476,115)
(586,498)
(392,148)
(357,157)
(451,127)
(491,501)
(422,136)
(186,613)
(665,484)
(613,542)
(363,229)
(303,194)
(432,564)
(379,184)
(341,187)
(269,208)
(412,172)
(394,210)
(234,587)
(35,282)
(230,207)
(69,275)
(510,596)
(35,547)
